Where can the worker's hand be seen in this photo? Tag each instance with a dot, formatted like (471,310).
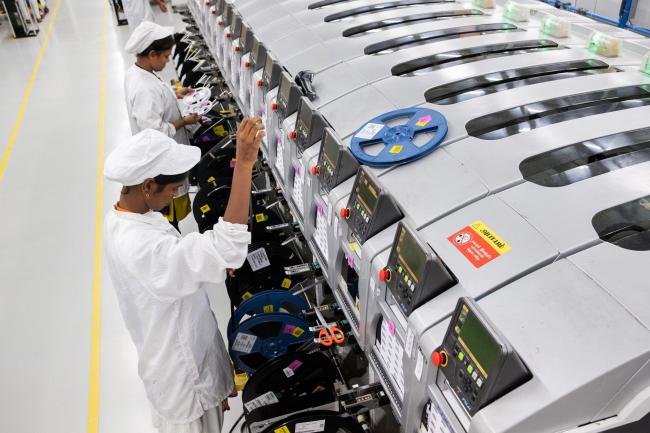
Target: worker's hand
(191,119)
(249,137)
(180,93)
(162,5)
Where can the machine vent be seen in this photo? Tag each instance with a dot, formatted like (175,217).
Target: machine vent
(474,87)
(380,7)
(626,225)
(551,111)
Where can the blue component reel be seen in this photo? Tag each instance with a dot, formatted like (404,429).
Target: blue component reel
(268,301)
(267,336)
(398,141)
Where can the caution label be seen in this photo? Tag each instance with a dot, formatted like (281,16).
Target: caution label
(479,243)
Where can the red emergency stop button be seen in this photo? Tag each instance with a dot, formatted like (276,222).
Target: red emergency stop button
(384,275)
(237,49)
(439,359)
(247,65)
(220,23)
(293,135)
(274,106)
(228,35)
(344,213)
(314,170)
(260,83)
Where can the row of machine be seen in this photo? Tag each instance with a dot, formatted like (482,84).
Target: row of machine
(454,203)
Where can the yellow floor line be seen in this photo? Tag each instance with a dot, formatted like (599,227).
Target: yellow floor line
(95,333)
(28,92)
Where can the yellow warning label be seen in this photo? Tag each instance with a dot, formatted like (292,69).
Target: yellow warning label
(205,208)
(298,331)
(490,237)
(268,308)
(282,429)
(260,217)
(286,283)
(247,295)
(396,149)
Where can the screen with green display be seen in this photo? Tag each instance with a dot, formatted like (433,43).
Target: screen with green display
(268,70)
(479,342)
(330,149)
(366,192)
(284,91)
(411,255)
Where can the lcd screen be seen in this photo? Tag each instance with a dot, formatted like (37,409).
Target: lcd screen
(411,254)
(330,150)
(303,125)
(478,342)
(367,192)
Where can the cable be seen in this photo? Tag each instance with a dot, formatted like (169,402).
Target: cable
(232,429)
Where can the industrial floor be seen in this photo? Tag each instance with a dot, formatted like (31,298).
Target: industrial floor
(67,364)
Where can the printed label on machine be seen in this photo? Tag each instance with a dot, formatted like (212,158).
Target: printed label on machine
(392,353)
(410,338)
(263,400)
(244,342)
(479,244)
(279,154)
(258,260)
(298,182)
(436,420)
(310,427)
(321,233)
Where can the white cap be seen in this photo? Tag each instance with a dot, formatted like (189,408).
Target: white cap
(144,35)
(148,154)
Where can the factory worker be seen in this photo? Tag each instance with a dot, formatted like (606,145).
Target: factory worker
(137,11)
(161,278)
(151,102)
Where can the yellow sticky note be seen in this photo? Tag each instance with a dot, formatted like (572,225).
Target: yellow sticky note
(286,283)
(212,179)
(396,149)
(282,429)
(268,308)
(247,295)
(298,331)
(220,131)
(205,208)
(260,217)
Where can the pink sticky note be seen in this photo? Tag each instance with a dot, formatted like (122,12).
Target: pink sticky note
(295,365)
(233,162)
(422,121)
(350,261)
(391,327)
(288,329)
(321,211)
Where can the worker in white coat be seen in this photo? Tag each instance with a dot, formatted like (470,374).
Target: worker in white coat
(137,11)
(161,278)
(151,102)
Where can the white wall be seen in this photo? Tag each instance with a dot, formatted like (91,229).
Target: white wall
(610,8)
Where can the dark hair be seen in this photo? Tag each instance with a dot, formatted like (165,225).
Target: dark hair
(159,46)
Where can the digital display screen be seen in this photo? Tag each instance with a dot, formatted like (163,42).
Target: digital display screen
(244,37)
(236,26)
(303,124)
(255,51)
(330,150)
(411,255)
(367,192)
(268,70)
(284,92)
(476,340)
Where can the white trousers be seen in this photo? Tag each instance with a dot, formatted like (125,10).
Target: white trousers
(210,422)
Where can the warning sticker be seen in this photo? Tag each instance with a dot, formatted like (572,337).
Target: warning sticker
(479,244)
(283,429)
(286,283)
(205,208)
(268,308)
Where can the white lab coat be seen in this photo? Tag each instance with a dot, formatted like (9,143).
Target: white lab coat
(151,103)
(161,280)
(137,11)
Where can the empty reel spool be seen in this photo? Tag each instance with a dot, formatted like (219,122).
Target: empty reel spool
(265,337)
(398,141)
(268,301)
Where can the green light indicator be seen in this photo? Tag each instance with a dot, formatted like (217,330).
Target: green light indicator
(646,64)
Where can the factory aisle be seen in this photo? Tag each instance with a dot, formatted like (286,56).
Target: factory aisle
(48,191)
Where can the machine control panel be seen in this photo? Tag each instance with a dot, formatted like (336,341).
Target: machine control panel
(245,39)
(309,125)
(271,73)
(477,362)
(235,27)
(288,97)
(258,54)
(335,162)
(370,208)
(414,274)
